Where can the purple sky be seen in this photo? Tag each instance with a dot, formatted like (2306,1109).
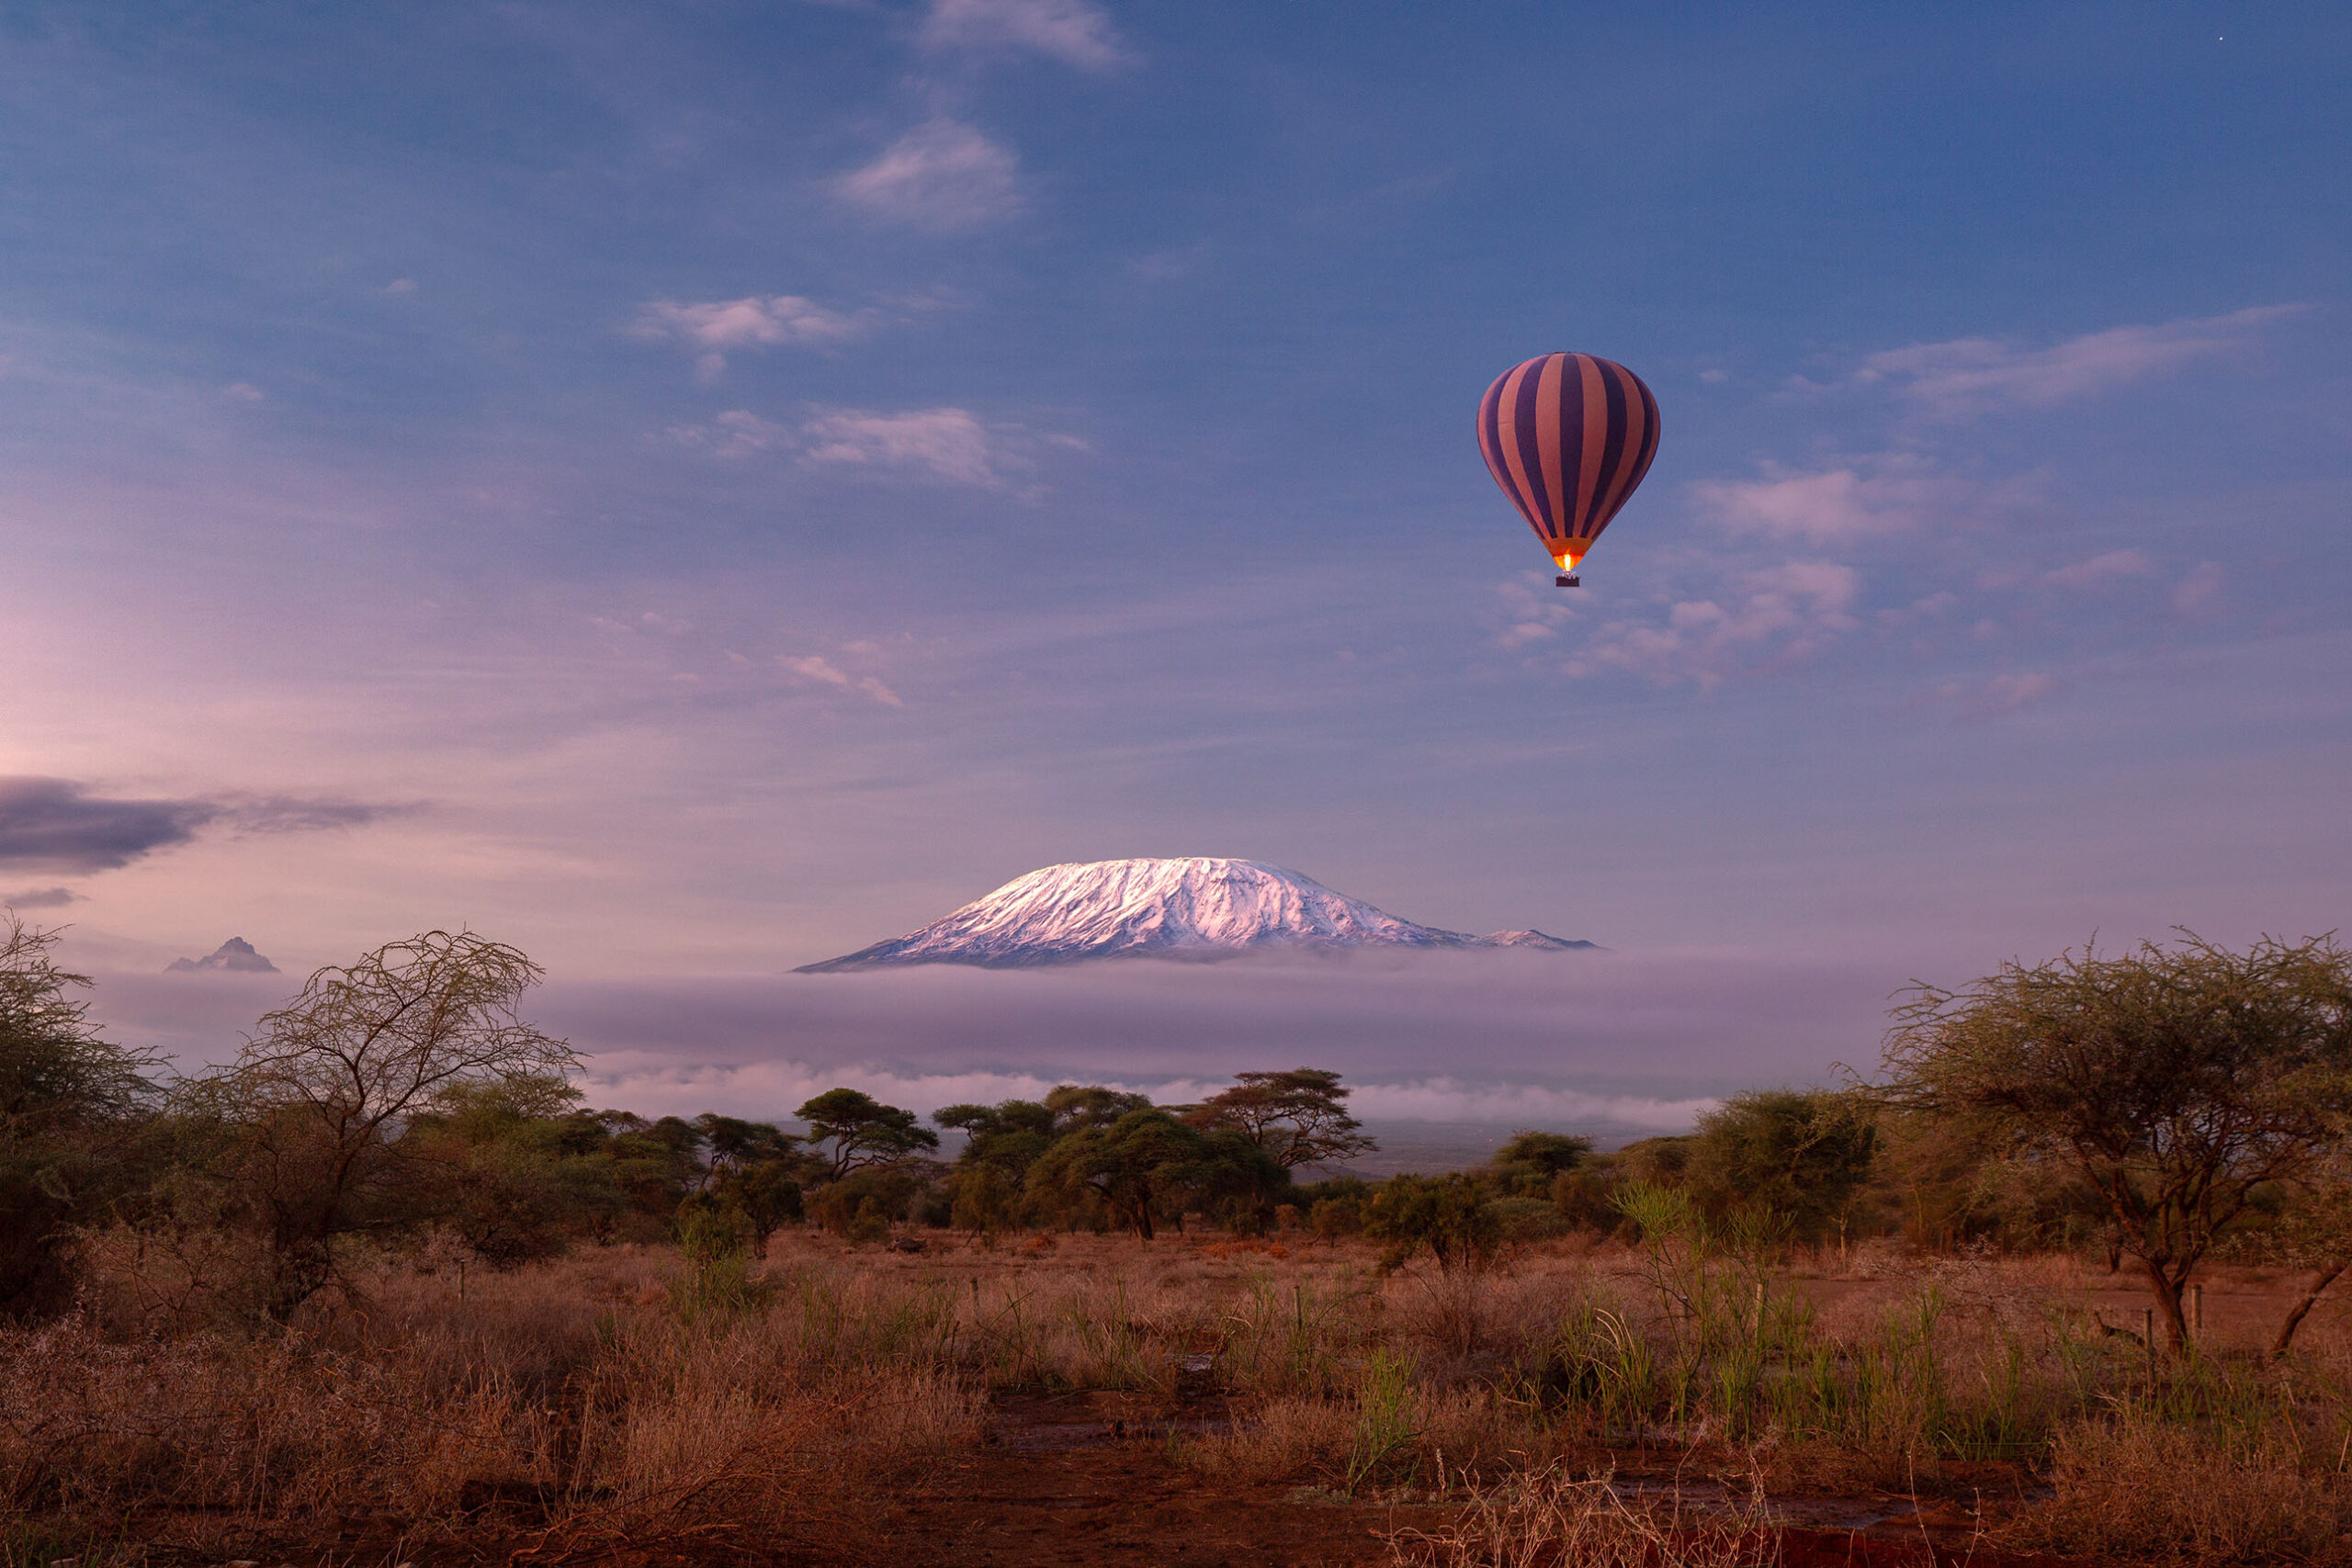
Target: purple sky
(694,491)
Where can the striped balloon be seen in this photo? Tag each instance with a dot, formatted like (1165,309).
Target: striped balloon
(1568,436)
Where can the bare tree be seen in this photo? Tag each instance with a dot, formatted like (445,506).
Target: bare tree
(2174,1082)
(312,1111)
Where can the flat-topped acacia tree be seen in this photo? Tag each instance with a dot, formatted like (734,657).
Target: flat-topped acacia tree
(863,1131)
(1299,1117)
(2172,1081)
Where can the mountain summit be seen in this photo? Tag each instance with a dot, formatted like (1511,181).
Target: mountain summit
(1163,909)
(235,955)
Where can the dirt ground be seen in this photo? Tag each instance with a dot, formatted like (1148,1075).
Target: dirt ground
(1080,1481)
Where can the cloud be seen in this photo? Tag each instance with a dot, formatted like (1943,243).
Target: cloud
(944,175)
(738,432)
(1864,498)
(947,443)
(39,898)
(1529,614)
(50,824)
(2000,695)
(2100,569)
(653,1086)
(942,445)
(1772,618)
(1628,1040)
(1968,376)
(823,670)
(715,327)
(1069,30)
(2202,593)
(298,814)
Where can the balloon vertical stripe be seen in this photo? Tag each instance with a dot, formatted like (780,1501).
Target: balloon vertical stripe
(1567,436)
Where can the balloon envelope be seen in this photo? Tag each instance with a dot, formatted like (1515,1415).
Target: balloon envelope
(1568,436)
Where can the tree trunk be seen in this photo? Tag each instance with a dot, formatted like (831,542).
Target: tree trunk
(2302,1308)
(2167,1290)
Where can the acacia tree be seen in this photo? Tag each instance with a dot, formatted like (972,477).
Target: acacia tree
(1800,1154)
(2172,1081)
(863,1131)
(310,1113)
(65,1096)
(1127,1166)
(1299,1117)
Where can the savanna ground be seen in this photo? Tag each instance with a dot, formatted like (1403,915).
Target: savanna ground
(1202,1400)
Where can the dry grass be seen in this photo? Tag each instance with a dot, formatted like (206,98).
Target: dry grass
(2139,1488)
(613,1398)
(573,1406)
(1549,1518)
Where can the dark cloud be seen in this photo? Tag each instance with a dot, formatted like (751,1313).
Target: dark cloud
(39,898)
(57,825)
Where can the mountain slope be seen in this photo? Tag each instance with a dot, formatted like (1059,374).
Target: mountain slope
(1195,907)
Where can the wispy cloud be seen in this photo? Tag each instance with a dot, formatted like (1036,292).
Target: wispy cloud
(39,898)
(1769,619)
(946,443)
(736,434)
(1968,376)
(940,446)
(1860,499)
(1998,695)
(2202,593)
(713,328)
(943,175)
(1071,31)
(2112,566)
(814,667)
(304,814)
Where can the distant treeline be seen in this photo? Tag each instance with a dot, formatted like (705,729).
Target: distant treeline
(2169,1106)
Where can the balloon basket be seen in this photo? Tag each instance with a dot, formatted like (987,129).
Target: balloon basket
(1569,580)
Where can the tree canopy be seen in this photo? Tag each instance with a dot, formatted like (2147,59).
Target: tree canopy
(2173,1081)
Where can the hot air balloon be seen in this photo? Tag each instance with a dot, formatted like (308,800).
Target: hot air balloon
(1568,436)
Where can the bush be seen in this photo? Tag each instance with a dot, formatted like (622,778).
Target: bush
(863,1205)
(1332,1218)
(1448,1214)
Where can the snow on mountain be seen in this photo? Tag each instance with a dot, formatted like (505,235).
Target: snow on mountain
(1169,909)
(1542,940)
(235,955)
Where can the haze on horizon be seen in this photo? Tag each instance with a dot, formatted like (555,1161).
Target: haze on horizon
(695,492)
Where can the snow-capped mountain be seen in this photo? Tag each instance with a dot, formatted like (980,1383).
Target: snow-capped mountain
(1169,909)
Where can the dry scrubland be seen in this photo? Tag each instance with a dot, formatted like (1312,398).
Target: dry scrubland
(628,1401)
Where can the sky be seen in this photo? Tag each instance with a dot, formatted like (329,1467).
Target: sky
(691,491)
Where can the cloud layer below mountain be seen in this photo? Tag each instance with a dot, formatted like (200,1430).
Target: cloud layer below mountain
(1617,1043)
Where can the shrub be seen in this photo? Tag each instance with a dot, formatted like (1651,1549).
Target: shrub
(863,1205)
(1448,1214)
